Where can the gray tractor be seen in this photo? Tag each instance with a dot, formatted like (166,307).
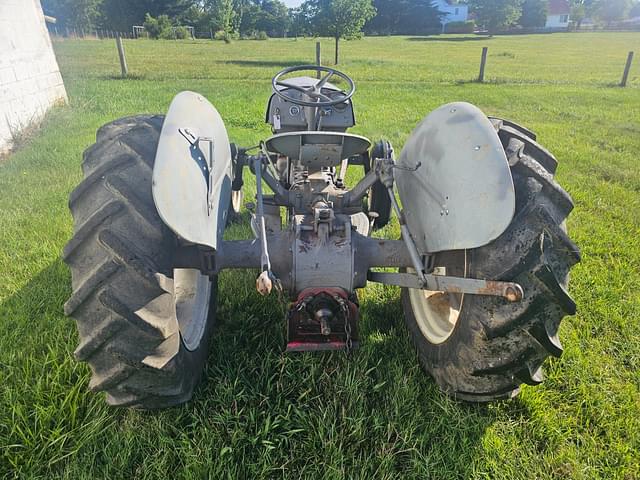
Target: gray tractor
(482,262)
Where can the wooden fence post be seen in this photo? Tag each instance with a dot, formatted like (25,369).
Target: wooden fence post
(318,58)
(627,67)
(123,60)
(483,61)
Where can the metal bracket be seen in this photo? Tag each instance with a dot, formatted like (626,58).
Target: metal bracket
(206,166)
(441,283)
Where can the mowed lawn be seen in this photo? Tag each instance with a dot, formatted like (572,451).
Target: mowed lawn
(262,414)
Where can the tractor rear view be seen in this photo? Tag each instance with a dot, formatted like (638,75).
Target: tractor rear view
(483,260)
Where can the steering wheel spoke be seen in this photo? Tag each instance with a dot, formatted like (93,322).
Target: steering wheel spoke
(324,97)
(290,85)
(323,80)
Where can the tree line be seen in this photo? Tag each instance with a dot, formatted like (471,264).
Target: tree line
(334,18)
(498,15)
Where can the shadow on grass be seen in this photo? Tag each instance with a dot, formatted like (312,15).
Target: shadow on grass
(130,76)
(448,39)
(265,63)
(373,414)
(45,411)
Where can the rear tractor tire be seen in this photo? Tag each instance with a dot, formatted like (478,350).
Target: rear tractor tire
(144,326)
(482,348)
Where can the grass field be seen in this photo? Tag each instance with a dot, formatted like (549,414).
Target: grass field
(261,414)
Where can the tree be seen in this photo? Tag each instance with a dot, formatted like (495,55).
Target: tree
(78,14)
(300,19)
(340,18)
(404,17)
(222,15)
(496,14)
(158,27)
(419,17)
(121,15)
(610,11)
(534,14)
(272,17)
(581,9)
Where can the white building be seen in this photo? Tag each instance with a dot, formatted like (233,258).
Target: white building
(558,14)
(30,80)
(454,11)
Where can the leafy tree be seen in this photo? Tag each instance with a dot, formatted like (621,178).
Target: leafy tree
(158,27)
(78,14)
(534,14)
(581,9)
(121,15)
(272,18)
(301,19)
(406,17)
(240,7)
(222,14)
(496,14)
(419,17)
(340,18)
(610,11)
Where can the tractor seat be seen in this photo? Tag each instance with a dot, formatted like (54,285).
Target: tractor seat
(318,149)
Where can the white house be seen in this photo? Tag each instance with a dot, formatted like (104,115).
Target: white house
(558,14)
(30,80)
(453,10)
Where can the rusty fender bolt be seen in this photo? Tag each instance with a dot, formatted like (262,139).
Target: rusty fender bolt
(514,293)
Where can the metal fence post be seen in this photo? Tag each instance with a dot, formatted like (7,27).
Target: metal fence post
(318,58)
(627,67)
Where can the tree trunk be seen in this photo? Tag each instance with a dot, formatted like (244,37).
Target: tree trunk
(337,40)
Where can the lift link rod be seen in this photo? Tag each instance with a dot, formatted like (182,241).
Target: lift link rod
(264,282)
(441,283)
(385,167)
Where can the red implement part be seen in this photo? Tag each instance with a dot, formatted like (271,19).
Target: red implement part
(305,320)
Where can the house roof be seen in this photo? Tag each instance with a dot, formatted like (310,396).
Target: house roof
(558,7)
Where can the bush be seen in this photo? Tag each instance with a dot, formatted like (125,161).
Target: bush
(222,35)
(256,35)
(460,27)
(181,33)
(158,27)
(167,34)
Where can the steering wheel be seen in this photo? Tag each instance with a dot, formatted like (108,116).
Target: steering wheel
(315,91)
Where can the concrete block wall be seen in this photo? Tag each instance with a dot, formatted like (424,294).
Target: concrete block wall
(30,80)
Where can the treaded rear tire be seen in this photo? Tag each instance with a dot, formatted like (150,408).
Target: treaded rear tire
(121,261)
(495,345)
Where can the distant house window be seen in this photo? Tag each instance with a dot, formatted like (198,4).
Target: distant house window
(456,11)
(564,18)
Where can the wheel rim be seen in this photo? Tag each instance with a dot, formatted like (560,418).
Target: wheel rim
(437,313)
(191,293)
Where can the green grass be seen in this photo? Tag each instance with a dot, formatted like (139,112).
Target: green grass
(260,413)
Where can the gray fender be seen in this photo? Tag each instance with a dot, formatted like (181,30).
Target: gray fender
(462,194)
(179,185)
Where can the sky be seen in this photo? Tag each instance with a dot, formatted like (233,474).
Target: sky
(292,3)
